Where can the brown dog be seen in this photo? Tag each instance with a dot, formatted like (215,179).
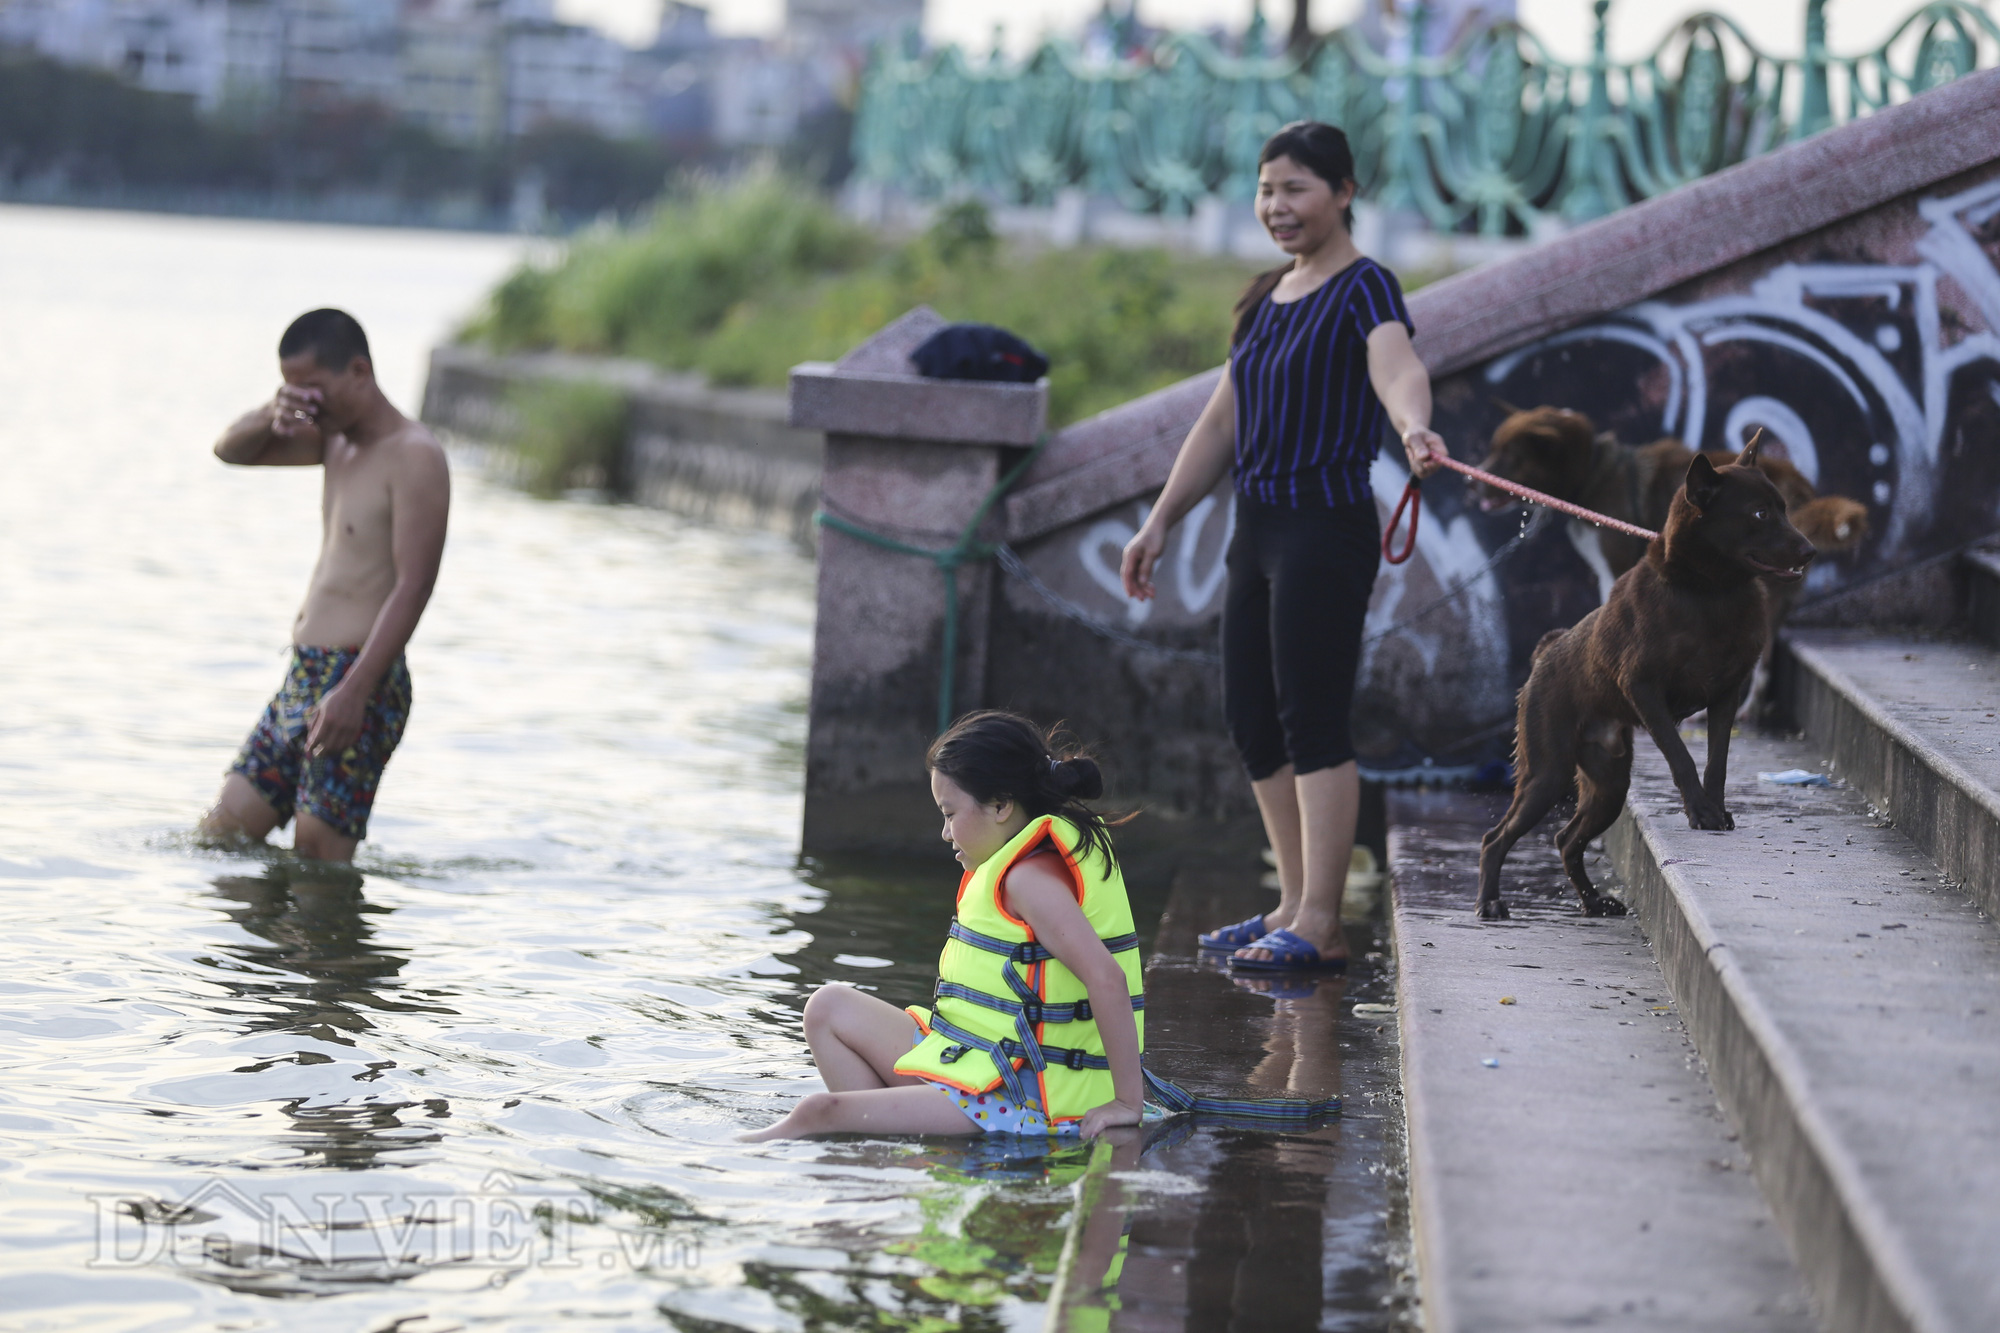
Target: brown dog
(1834,524)
(1680,632)
(1559,452)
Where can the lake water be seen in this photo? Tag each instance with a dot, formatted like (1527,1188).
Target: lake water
(491,1079)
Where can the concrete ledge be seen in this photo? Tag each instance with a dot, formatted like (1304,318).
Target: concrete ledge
(1107,459)
(690,448)
(1864,1090)
(1952,813)
(725,483)
(909,407)
(1583,1180)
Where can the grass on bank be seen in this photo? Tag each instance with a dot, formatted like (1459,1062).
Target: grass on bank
(567,433)
(743,281)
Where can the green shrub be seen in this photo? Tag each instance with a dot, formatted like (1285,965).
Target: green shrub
(657,289)
(568,433)
(744,281)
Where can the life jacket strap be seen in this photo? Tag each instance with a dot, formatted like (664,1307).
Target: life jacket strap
(1030,1009)
(1273,1112)
(1267,1111)
(1026,952)
(1005,1051)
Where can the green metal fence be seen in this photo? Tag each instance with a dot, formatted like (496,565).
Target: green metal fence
(1491,136)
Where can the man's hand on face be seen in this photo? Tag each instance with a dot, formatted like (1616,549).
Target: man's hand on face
(295,411)
(336,722)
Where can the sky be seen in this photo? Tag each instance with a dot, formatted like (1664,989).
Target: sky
(1636,25)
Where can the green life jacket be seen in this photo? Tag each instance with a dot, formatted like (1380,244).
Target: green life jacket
(1007,1012)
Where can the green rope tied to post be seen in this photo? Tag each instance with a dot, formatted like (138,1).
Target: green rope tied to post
(966,550)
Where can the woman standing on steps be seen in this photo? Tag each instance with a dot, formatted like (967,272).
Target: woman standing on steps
(1319,362)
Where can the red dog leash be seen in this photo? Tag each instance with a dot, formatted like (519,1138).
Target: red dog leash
(1413,501)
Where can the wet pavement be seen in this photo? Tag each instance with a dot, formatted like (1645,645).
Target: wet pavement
(1297,1230)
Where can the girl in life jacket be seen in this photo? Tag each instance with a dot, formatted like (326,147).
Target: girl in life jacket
(1037,1025)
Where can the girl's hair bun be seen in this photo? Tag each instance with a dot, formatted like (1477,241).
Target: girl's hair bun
(996,756)
(1077,777)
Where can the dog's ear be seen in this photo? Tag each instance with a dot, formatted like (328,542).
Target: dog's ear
(1506,407)
(1703,485)
(1748,458)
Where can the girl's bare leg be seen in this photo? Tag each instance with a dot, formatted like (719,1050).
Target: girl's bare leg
(856,1039)
(907,1110)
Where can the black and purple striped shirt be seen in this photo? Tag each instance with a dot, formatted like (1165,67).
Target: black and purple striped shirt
(1308,422)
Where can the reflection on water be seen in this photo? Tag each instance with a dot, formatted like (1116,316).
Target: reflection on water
(493,1075)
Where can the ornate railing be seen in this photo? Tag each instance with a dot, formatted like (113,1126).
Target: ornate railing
(1493,136)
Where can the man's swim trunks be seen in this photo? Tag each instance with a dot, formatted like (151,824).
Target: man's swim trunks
(338,790)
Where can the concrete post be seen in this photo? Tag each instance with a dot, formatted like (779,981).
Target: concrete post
(909,458)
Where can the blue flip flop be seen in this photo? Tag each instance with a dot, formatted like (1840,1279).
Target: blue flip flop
(1289,953)
(1238,936)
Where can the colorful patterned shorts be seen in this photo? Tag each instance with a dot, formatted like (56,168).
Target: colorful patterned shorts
(338,790)
(996,1113)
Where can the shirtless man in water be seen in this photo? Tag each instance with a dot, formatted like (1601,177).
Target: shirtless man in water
(319,750)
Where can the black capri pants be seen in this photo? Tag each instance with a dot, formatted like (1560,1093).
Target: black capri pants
(1299,583)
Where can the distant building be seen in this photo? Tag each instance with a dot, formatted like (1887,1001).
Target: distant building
(473,71)
(167,46)
(338,52)
(758,97)
(833,39)
(849,25)
(679,94)
(559,73)
(734,92)
(450,74)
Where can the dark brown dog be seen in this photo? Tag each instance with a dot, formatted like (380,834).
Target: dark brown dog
(1559,452)
(1680,632)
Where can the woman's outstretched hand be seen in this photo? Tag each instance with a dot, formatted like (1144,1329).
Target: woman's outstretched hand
(1135,570)
(1425,448)
(1110,1115)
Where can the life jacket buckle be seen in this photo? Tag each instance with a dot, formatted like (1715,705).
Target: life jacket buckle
(1080,1012)
(1075,1056)
(951,1055)
(1031,1010)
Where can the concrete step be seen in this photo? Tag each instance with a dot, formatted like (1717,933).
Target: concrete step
(1569,1165)
(1846,999)
(1914,724)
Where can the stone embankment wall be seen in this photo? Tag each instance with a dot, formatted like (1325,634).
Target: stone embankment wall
(1842,293)
(691,448)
